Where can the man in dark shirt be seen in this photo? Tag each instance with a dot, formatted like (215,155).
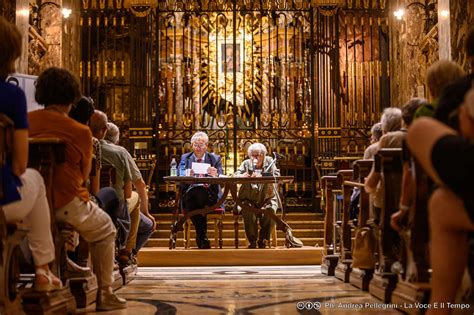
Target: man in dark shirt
(449,160)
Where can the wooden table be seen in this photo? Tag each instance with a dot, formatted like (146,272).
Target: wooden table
(230,185)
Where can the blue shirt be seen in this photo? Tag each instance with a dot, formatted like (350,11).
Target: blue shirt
(12,104)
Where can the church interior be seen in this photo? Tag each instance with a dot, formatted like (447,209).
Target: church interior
(290,119)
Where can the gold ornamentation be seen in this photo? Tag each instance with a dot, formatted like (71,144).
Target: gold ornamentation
(327,7)
(141,8)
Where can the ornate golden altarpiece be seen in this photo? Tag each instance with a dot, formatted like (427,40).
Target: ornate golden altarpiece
(306,78)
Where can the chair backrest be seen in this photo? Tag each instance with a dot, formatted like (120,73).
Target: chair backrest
(107,176)
(6,142)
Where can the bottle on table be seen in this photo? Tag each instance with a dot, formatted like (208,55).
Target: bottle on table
(173,169)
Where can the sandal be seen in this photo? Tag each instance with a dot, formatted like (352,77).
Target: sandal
(53,282)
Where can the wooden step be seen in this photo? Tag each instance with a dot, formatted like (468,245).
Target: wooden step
(227,242)
(228,233)
(160,257)
(300,216)
(309,227)
(161,225)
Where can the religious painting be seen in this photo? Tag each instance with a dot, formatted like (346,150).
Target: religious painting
(227,57)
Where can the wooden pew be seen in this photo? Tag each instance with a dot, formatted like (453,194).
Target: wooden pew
(329,261)
(389,163)
(413,281)
(44,154)
(360,277)
(11,236)
(343,229)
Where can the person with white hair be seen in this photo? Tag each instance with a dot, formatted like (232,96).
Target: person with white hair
(448,158)
(257,194)
(198,196)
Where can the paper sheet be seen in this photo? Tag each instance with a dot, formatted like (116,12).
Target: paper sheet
(200,168)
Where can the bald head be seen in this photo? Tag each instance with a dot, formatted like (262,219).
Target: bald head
(98,124)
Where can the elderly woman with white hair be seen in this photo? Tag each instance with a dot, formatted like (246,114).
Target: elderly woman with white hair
(257,194)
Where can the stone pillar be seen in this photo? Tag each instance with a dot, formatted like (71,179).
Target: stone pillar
(444,30)
(178,90)
(265,117)
(283,90)
(71,37)
(22,22)
(196,82)
(51,30)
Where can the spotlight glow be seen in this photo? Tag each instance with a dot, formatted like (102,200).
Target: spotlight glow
(399,14)
(66,12)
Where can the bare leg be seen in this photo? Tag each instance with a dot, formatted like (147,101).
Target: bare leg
(449,224)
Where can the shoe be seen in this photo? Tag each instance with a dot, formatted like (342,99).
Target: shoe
(109,301)
(124,257)
(73,270)
(203,243)
(252,245)
(262,243)
(53,284)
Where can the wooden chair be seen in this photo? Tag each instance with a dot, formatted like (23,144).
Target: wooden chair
(330,259)
(273,233)
(107,176)
(360,277)
(11,236)
(44,155)
(217,217)
(389,163)
(343,229)
(413,284)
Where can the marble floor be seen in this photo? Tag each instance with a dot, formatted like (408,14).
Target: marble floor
(243,290)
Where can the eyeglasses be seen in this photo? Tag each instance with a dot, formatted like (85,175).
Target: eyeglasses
(256,155)
(200,146)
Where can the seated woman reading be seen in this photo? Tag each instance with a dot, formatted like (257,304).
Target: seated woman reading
(257,194)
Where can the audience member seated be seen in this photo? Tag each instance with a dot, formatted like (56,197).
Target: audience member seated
(257,194)
(369,153)
(147,223)
(449,160)
(24,194)
(453,95)
(57,89)
(391,123)
(438,76)
(198,196)
(376,133)
(106,198)
(392,139)
(82,113)
(113,156)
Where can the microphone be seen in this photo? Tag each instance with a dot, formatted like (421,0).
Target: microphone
(254,164)
(279,156)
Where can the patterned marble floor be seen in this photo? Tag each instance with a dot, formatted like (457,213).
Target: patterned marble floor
(243,291)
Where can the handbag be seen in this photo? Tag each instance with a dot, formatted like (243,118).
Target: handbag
(364,248)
